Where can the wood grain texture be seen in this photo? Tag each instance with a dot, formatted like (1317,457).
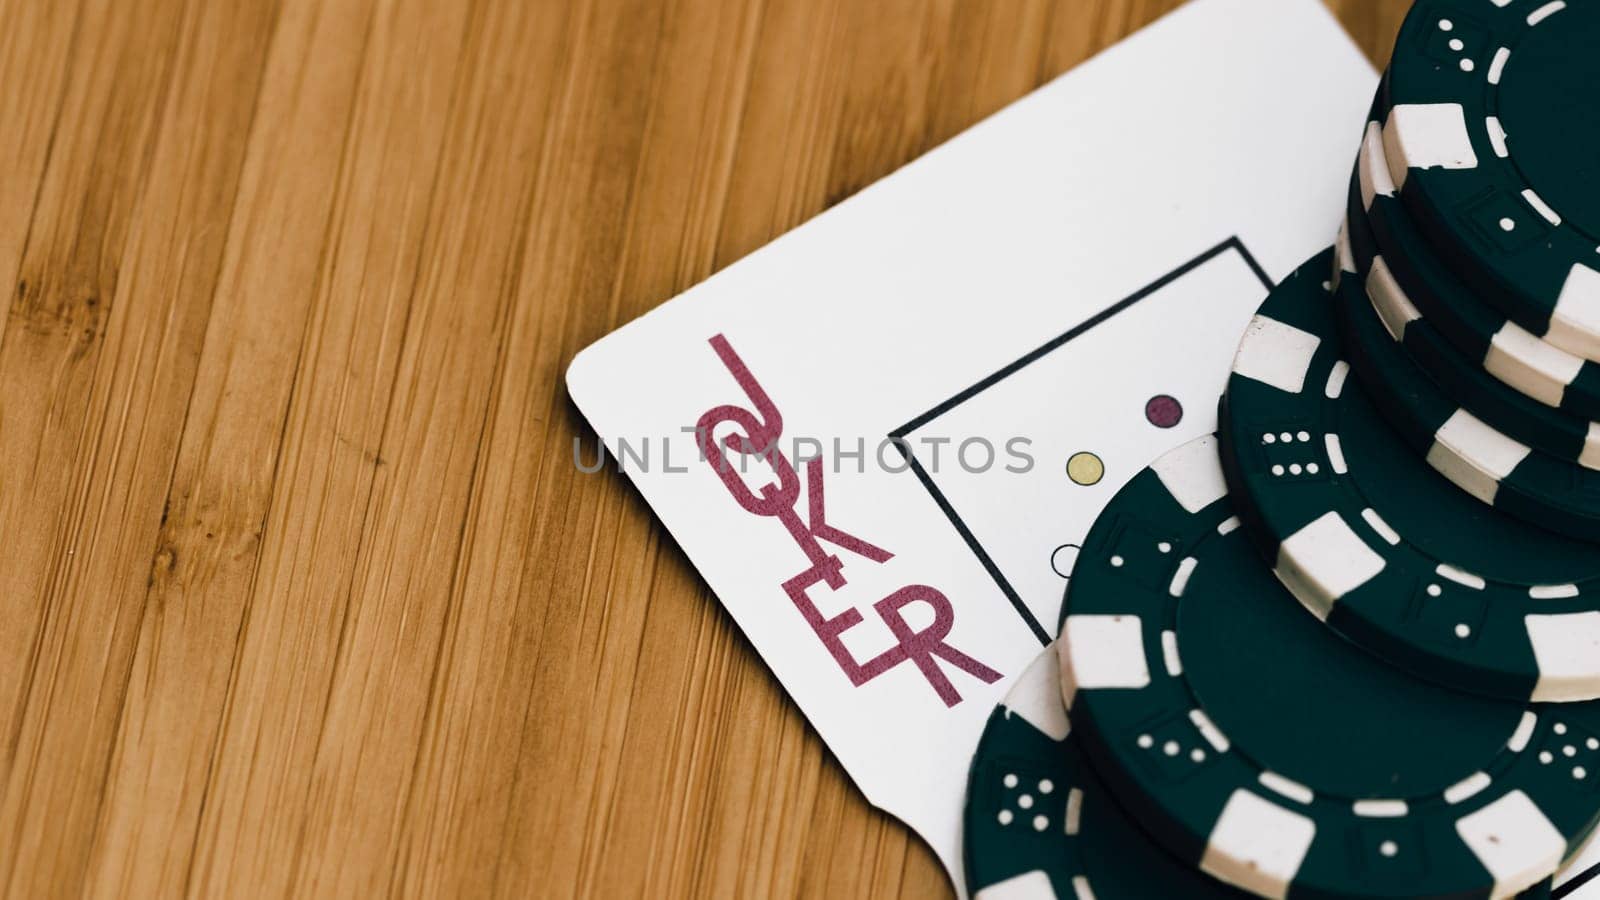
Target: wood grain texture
(302,592)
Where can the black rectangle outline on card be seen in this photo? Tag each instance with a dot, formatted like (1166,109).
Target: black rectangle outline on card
(1578,881)
(898,436)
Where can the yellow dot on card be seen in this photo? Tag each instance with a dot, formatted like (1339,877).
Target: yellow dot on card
(1085,468)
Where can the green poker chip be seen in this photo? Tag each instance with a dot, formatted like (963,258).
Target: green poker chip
(1257,745)
(1540,371)
(1413,324)
(1490,136)
(1040,824)
(1361,526)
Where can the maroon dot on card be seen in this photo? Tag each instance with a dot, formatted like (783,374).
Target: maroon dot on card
(1163,411)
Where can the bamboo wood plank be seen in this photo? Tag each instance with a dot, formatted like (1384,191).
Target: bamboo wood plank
(303,595)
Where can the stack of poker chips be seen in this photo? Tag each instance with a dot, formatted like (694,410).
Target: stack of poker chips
(1349,646)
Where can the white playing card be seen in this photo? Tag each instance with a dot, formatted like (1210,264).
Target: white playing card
(1035,310)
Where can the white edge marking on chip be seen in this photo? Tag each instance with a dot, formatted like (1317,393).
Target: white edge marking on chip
(1427,136)
(1104,652)
(1541,207)
(1497,66)
(1036,697)
(1542,371)
(1335,454)
(1546,11)
(1288,787)
(1364,181)
(1390,300)
(1566,648)
(1497,136)
(1275,354)
(1074,817)
(1463,473)
(1575,322)
(1380,526)
(1192,474)
(1474,456)
(1336,377)
(1180,578)
(1324,561)
(1228,525)
(1258,845)
(1169,651)
(1209,730)
(1034,885)
(1467,788)
(1496,453)
(1553,591)
(1524,733)
(1372,167)
(1590,458)
(1080,886)
(1397,172)
(1381,809)
(1461,576)
(1514,840)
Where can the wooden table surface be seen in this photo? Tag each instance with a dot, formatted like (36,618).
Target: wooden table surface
(302,591)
